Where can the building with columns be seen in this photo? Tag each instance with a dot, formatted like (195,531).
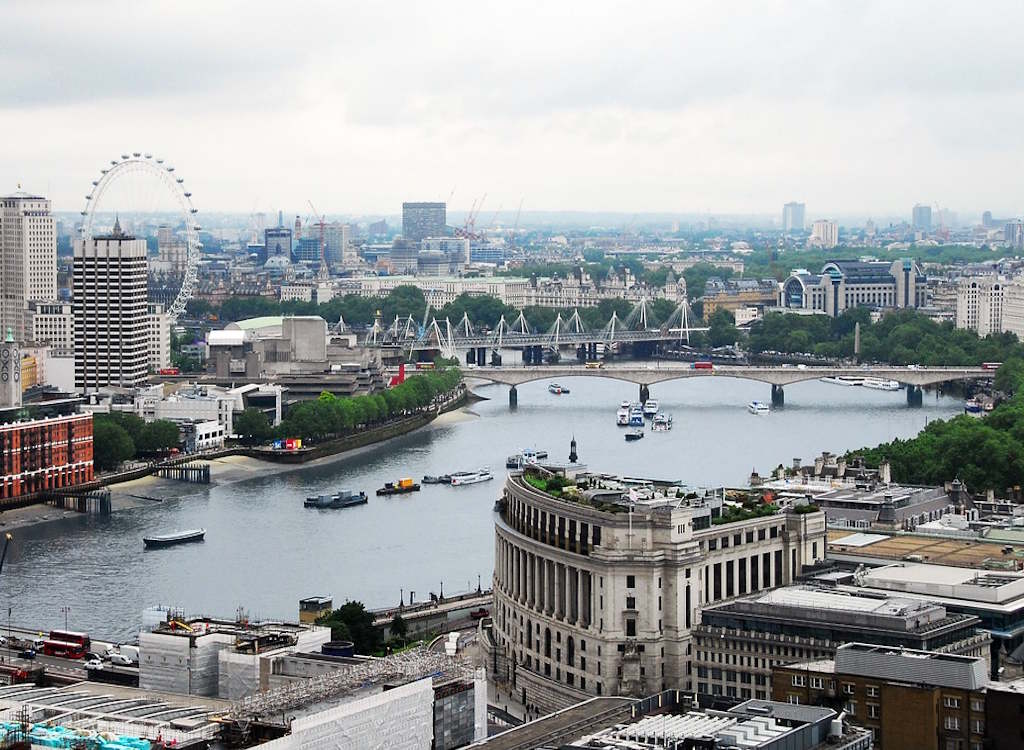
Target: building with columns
(599,582)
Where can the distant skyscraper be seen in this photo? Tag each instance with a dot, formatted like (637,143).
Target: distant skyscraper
(922,217)
(28,258)
(1013,234)
(422,220)
(793,217)
(111,311)
(824,233)
(277,241)
(338,243)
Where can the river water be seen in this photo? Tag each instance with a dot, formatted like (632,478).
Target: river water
(264,551)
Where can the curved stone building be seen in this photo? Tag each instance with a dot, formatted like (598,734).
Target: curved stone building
(598,584)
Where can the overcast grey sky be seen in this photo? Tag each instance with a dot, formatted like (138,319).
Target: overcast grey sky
(853,107)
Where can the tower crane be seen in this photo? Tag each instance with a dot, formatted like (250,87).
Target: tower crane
(324,273)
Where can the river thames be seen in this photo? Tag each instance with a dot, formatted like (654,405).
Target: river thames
(264,550)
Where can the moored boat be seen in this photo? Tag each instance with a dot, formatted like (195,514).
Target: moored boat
(399,488)
(634,435)
(636,417)
(843,380)
(758,407)
(460,478)
(343,499)
(177,537)
(650,408)
(662,422)
(622,417)
(881,384)
(972,406)
(443,478)
(557,389)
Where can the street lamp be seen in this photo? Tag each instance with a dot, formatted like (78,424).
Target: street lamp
(65,611)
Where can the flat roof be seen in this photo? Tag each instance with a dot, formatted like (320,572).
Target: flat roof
(942,550)
(811,598)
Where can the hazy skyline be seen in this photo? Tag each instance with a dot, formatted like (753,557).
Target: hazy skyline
(863,108)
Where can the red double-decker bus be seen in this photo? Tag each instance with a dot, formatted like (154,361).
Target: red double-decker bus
(71,636)
(64,649)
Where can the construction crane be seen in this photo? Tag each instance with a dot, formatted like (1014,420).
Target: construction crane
(515,226)
(323,255)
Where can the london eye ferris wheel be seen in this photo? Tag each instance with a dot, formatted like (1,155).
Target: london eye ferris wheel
(145,176)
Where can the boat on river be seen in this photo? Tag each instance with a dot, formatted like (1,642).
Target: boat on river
(758,407)
(440,479)
(881,384)
(847,380)
(636,417)
(177,537)
(460,478)
(662,422)
(557,389)
(400,487)
(622,416)
(343,499)
(650,408)
(634,435)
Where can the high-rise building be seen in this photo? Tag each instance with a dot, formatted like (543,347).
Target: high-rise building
(404,256)
(338,244)
(158,337)
(793,217)
(824,233)
(979,304)
(922,217)
(422,220)
(28,258)
(277,241)
(111,311)
(455,250)
(1013,234)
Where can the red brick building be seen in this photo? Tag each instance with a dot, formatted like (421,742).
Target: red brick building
(45,453)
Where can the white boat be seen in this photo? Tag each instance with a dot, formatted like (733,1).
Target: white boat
(662,422)
(557,389)
(881,384)
(471,477)
(636,417)
(650,407)
(972,406)
(758,407)
(622,417)
(626,405)
(843,380)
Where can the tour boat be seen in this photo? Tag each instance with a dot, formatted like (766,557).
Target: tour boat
(881,384)
(471,477)
(843,380)
(622,417)
(636,418)
(557,389)
(972,406)
(177,537)
(634,435)
(758,407)
(662,422)
(650,408)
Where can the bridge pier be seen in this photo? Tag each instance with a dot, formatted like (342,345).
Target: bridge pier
(778,396)
(915,396)
(581,352)
(592,352)
(513,397)
(645,393)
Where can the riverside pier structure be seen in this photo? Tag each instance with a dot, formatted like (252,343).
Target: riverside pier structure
(599,581)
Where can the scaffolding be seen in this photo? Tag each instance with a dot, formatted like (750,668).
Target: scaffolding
(403,667)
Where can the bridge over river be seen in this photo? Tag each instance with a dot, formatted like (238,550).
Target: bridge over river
(647,373)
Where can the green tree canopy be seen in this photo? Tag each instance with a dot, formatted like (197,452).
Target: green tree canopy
(111,444)
(253,426)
